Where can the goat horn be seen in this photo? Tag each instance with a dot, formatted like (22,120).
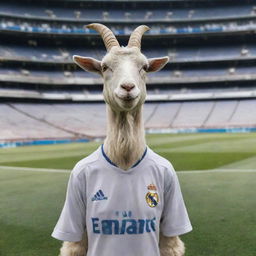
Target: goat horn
(107,35)
(135,38)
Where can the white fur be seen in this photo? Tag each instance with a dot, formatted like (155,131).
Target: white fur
(125,141)
(75,248)
(171,246)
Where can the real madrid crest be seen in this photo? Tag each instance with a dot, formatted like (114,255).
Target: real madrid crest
(152,197)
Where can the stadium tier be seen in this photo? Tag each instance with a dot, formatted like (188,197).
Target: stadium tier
(209,82)
(31,121)
(63,55)
(24,25)
(165,74)
(92,13)
(164,18)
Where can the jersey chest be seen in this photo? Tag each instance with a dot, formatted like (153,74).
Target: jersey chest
(124,204)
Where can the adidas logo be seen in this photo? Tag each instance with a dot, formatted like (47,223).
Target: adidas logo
(99,196)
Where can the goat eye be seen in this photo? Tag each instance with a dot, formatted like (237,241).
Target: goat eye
(145,67)
(104,68)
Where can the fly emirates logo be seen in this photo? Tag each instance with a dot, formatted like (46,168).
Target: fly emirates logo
(124,225)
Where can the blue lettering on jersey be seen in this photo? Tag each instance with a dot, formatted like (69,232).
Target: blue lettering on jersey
(95,225)
(124,226)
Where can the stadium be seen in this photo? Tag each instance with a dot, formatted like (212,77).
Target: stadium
(200,112)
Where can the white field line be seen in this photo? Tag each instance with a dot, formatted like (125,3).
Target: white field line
(217,171)
(14,168)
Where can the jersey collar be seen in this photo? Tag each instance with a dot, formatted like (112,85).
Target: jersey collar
(107,158)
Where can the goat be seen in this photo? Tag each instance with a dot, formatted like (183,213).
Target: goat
(124,72)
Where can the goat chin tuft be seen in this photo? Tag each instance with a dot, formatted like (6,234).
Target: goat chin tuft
(171,246)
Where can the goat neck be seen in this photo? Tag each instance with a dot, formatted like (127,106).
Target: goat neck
(125,142)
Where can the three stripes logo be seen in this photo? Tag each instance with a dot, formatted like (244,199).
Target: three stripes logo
(99,196)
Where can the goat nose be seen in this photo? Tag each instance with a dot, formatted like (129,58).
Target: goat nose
(127,87)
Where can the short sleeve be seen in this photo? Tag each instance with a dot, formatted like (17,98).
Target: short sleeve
(71,224)
(175,220)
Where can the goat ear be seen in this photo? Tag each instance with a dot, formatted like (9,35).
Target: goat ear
(88,64)
(155,64)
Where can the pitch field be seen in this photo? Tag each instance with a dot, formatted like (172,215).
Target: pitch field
(221,202)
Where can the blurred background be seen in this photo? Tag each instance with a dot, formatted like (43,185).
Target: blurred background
(200,112)
(209,83)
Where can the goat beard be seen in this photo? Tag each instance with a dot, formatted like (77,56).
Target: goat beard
(125,137)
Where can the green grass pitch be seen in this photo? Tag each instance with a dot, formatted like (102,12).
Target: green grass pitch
(221,202)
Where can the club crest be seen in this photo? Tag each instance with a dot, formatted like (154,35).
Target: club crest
(152,197)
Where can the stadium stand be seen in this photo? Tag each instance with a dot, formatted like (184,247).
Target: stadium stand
(177,54)
(83,119)
(209,83)
(244,114)
(157,13)
(18,126)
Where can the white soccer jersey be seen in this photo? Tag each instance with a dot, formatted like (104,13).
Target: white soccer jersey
(122,211)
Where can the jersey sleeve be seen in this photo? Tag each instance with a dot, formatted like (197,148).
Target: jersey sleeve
(174,220)
(71,224)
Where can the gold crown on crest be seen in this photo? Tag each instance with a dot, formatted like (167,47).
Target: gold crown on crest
(151,187)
